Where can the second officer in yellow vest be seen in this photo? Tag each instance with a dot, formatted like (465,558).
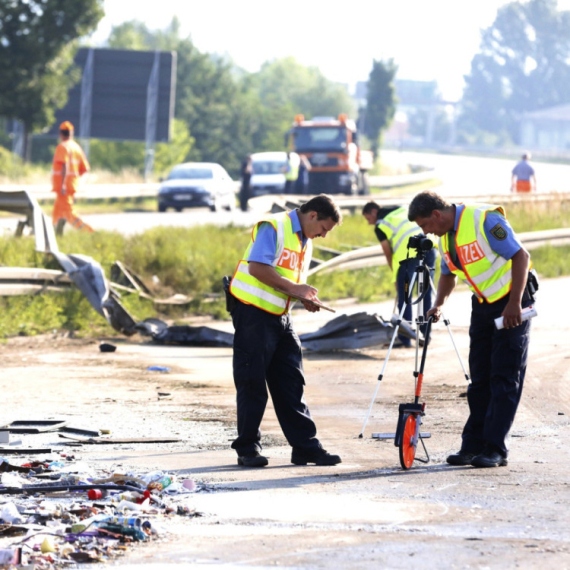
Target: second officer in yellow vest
(267,351)
(393,230)
(479,246)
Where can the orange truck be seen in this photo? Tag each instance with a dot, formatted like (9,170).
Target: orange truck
(338,164)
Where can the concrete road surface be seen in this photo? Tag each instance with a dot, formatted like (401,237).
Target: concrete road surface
(366,513)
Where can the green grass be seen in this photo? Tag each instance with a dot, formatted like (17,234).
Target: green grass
(193,261)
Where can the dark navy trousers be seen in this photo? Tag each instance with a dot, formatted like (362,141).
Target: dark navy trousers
(497,362)
(267,354)
(407,270)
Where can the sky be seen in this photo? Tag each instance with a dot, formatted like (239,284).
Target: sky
(428,39)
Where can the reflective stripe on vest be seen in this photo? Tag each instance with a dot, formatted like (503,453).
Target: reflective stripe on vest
(398,230)
(486,273)
(290,261)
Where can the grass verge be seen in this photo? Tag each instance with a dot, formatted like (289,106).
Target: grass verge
(193,261)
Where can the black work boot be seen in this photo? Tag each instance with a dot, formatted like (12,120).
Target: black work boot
(461,458)
(317,456)
(489,458)
(252,460)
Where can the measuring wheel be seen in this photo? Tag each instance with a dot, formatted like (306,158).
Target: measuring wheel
(408,441)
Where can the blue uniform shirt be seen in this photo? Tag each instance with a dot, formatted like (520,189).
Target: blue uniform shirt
(506,247)
(523,170)
(265,244)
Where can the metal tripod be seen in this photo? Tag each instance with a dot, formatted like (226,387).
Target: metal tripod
(419,277)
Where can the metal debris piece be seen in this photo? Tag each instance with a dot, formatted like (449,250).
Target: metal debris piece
(23,450)
(349,332)
(188,336)
(103,440)
(34,426)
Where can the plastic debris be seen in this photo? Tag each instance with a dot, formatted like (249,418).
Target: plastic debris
(158,369)
(57,511)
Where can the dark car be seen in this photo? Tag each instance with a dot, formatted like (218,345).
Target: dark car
(197,184)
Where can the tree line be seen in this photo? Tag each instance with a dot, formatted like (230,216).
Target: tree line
(222,113)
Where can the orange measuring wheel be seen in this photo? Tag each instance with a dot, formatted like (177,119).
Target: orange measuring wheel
(409,441)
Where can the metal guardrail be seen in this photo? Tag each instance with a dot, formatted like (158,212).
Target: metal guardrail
(89,191)
(373,256)
(42,192)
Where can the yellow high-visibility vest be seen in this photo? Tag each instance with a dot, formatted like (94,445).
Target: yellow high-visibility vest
(292,167)
(486,273)
(398,230)
(291,260)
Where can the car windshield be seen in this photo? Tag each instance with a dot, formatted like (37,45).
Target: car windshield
(320,139)
(190,173)
(268,167)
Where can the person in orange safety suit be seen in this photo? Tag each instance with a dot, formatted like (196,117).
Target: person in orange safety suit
(69,163)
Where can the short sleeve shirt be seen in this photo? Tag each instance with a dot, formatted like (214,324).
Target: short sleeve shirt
(505,247)
(523,170)
(265,244)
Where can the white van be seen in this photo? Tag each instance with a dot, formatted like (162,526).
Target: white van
(267,176)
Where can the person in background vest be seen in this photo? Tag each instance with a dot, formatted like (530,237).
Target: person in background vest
(393,230)
(478,245)
(523,176)
(69,163)
(291,172)
(267,351)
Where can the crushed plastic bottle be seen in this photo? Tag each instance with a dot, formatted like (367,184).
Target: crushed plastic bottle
(159,484)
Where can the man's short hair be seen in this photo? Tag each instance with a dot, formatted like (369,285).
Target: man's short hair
(369,206)
(526,156)
(325,207)
(424,203)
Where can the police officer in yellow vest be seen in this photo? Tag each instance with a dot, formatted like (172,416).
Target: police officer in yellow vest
(267,351)
(393,230)
(478,245)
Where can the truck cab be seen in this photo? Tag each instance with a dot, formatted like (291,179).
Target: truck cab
(338,165)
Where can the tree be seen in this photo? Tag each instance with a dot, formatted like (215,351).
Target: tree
(522,66)
(285,83)
(117,155)
(37,45)
(380,101)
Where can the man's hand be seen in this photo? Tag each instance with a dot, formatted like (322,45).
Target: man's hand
(512,315)
(435,313)
(304,290)
(310,307)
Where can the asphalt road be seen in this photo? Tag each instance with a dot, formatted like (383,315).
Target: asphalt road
(365,513)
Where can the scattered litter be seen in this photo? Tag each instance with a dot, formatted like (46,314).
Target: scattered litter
(164,396)
(107,347)
(82,514)
(158,369)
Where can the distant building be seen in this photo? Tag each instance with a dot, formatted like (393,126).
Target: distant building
(547,129)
